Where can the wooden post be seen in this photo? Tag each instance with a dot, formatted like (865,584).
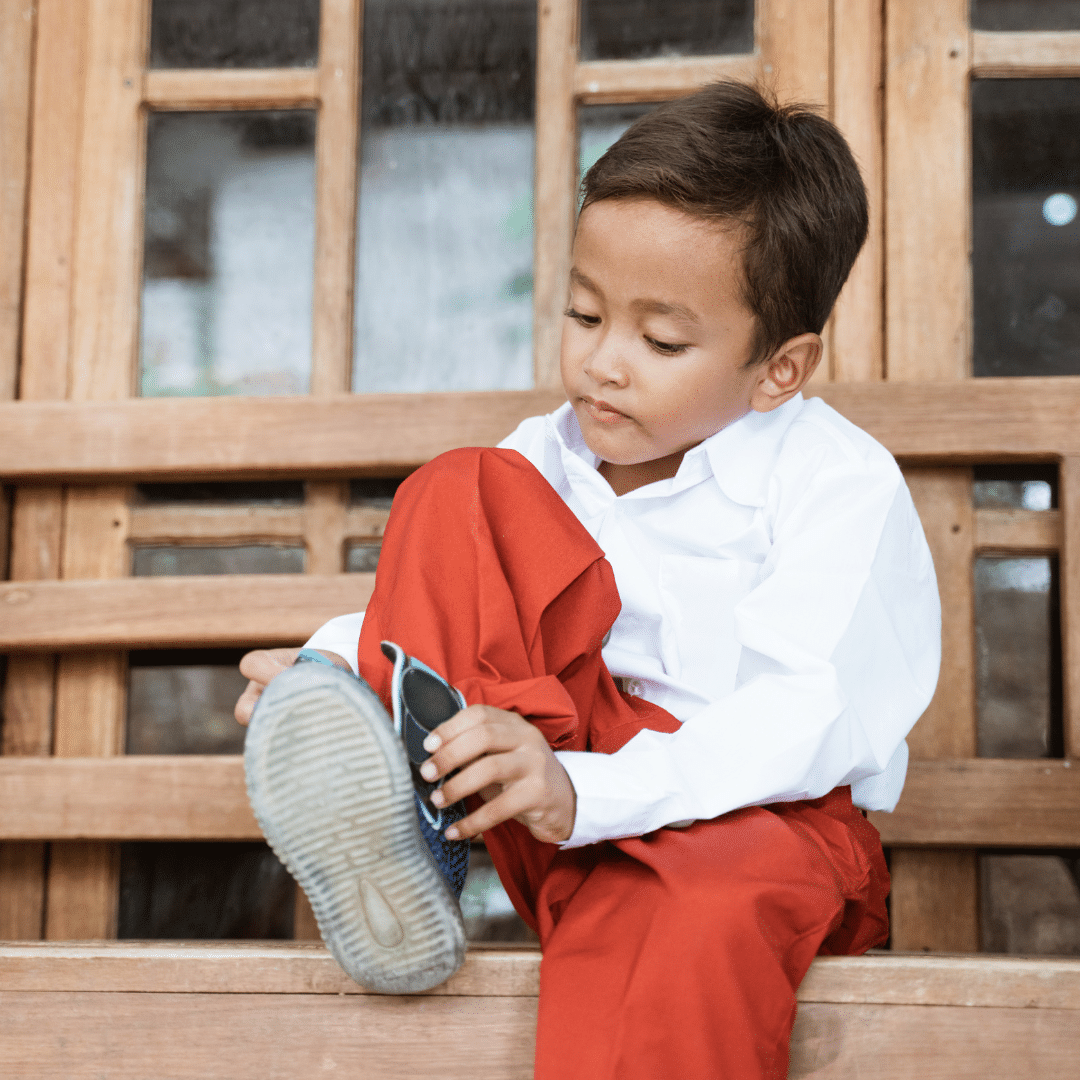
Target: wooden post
(1069,494)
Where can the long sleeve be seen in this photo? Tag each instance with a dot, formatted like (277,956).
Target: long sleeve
(839,652)
(340,635)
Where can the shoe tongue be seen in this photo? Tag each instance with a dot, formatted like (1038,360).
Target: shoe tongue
(427,702)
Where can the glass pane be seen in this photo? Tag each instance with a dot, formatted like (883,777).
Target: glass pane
(1015,487)
(154,560)
(599,126)
(222,493)
(234,33)
(444,251)
(362,558)
(1031,903)
(1017,668)
(485,907)
(377,493)
(634,29)
(1026,162)
(180,701)
(229,252)
(1025,14)
(204,890)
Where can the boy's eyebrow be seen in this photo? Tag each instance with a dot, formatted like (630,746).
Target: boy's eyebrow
(649,307)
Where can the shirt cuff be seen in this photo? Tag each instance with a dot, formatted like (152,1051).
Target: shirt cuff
(341,636)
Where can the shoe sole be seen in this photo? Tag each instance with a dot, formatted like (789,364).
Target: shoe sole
(331,789)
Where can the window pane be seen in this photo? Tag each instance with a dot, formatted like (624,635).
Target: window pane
(222,493)
(180,701)
(362,558)
(1015,487)
(234,33)
(1031,903)
(377,493)
(1026,168)
(633,29)
(203,890)
(488,913)
(228,253)
(444,252)
(173,560)
(1025,14)
(599,126)
(1018,674)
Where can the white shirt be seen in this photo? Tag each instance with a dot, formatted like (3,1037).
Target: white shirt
(778,598)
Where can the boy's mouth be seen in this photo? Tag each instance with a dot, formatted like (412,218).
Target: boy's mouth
(601,412)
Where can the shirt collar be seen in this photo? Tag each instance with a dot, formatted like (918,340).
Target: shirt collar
(739,457)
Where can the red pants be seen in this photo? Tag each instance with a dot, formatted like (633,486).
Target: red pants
(675,954)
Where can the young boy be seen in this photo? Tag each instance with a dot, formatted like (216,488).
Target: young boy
(693,617)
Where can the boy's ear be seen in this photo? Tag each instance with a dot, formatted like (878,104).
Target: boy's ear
(786,372)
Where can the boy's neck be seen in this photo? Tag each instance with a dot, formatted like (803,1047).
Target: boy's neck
(624,478)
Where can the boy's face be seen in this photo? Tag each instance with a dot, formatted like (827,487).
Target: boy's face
(657,336)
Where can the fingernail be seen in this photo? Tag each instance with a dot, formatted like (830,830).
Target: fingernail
(452,833)
(432,743)
(428,770)
(438,798)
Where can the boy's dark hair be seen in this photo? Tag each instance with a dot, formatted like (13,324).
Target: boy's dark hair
(730,153)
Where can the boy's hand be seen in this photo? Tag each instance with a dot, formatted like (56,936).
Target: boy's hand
(261,666)
(507,760)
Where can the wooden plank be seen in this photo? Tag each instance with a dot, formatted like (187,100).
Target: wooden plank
(225,438)
(22,891)
(242,609)
(983,802)
(324,526)
(602,82)
(1033,531)
(554,194)
(795,42)
(927,194)
(335,194)
(192,524)
(1032,54)
(16,68)
(202,90)
(963,803)
(1069,494)
(879,978)
(934,901)
(858,321)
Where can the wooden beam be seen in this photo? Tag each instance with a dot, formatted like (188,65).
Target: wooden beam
(1069,485)
(1029,55)
(1032,531)
(242,524)
(240,609)
(986,803)
(971,803)
(200,90)
(601,82)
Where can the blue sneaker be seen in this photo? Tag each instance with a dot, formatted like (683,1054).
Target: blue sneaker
(332,787)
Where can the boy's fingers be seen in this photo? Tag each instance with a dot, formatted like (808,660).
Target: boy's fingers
(247,701)
(482,773)
(472,716)
(262,665)
(472,744)
(502,808)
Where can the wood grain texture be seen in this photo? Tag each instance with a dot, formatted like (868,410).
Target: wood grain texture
(794,38)
(971,803)
(82,891)
(927,191)
(16,68)
(194,524)
(255,609)
(1069,494)
(1031,531)
(305,925)
(325,515)
(934,902)
(554,194)
(600,82)
(22,891)
(858,91)
(205,90)
(1032,54)
(335,194)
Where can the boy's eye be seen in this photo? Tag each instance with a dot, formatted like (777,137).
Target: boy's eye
(585,320)
(666,347)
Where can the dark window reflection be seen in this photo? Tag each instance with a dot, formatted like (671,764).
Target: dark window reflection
(1015,487)
(376,492)
(1026,168)
(635,29)
(204,891)
(1018,671)
(234,33)
(181,561)
(1030,903)
(1025,14)
(444,251)
(362,558)
(222,493)
(229,253)
(180,701)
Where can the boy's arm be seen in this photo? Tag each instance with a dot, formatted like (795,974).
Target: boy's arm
(840,652)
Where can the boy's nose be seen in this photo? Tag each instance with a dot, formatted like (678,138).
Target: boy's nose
(605,364)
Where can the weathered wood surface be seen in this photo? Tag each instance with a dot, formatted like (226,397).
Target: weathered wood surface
(598,82)
(222,438)
(1035,54)
(945,803)
(199,90)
